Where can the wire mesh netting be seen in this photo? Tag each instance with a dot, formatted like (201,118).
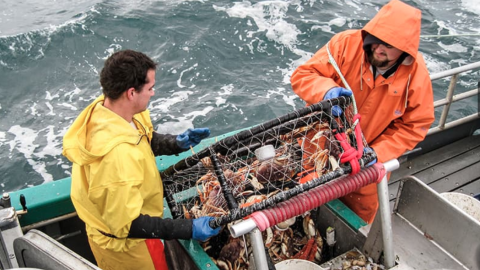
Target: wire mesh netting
(257,168)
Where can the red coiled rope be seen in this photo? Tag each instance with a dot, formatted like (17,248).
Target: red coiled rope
(351,154)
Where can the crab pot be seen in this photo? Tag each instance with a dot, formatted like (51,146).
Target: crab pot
(257,169)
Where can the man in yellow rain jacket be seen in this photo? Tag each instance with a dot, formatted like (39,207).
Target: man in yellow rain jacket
(390,83)
(116,187)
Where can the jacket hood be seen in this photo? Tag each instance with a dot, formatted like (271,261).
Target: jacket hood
(399,25)
(93,135)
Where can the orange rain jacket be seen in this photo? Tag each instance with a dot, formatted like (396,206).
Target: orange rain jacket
(396,111)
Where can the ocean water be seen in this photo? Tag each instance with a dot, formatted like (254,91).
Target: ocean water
(223,64)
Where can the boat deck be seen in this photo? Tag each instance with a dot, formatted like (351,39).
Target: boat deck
(451,168)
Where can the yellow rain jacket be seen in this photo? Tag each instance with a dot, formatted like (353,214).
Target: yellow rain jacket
(114,177)
(396,111)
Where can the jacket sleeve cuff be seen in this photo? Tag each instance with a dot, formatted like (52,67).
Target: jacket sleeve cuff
(147,227)
(165,144)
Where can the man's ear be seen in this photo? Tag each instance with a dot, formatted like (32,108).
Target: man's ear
(130,93)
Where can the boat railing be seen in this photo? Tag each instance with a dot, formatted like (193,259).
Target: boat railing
(450,97)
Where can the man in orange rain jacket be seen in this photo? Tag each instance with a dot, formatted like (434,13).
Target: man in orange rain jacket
(390,83)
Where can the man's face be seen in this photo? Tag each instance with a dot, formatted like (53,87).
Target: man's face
(143,97)
(384,56)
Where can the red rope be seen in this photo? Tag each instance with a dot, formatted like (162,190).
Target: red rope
(351,154)
(358,136)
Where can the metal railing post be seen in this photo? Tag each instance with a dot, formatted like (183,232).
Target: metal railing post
(258,249)
(446,107)
(385,215)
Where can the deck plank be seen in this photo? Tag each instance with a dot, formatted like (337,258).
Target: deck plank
(425,161)
(457,180)
(472,189)
(452,168)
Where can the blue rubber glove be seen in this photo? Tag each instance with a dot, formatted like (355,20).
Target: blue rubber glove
(201,230)
(192,137)
(368,150)
(336,92)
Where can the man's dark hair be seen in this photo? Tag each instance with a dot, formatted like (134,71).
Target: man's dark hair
(123,70)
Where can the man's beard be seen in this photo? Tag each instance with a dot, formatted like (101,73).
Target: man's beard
(375,62)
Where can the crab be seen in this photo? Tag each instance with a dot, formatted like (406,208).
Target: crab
(210,196)
(207,162)
(276,169)
(231,254)
(320,161)
(208,183)
(302,131)
(312,251)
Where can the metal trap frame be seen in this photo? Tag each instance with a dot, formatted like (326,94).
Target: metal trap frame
(302,160)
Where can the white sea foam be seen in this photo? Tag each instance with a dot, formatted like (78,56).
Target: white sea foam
(42,16)
(459,48)
(50,97)
(471,5)
(442,25)
(33,109)
(293,64)
(287,96)
(227,91)
(68,105)
(182,123)
(433,65)
(24,142)
(111,49)
(327,26)
(338,22)
(355,4)
(324,28)
(71,93)
(53,146)
(235,108)
(269,17)
(163,105)
(179,81)
(50,107)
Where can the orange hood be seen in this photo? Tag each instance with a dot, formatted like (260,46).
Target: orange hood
(404,33)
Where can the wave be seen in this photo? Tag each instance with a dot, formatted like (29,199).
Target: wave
(31,45)
(28,16)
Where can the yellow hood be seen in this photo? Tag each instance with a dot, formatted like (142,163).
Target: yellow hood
(83,143)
